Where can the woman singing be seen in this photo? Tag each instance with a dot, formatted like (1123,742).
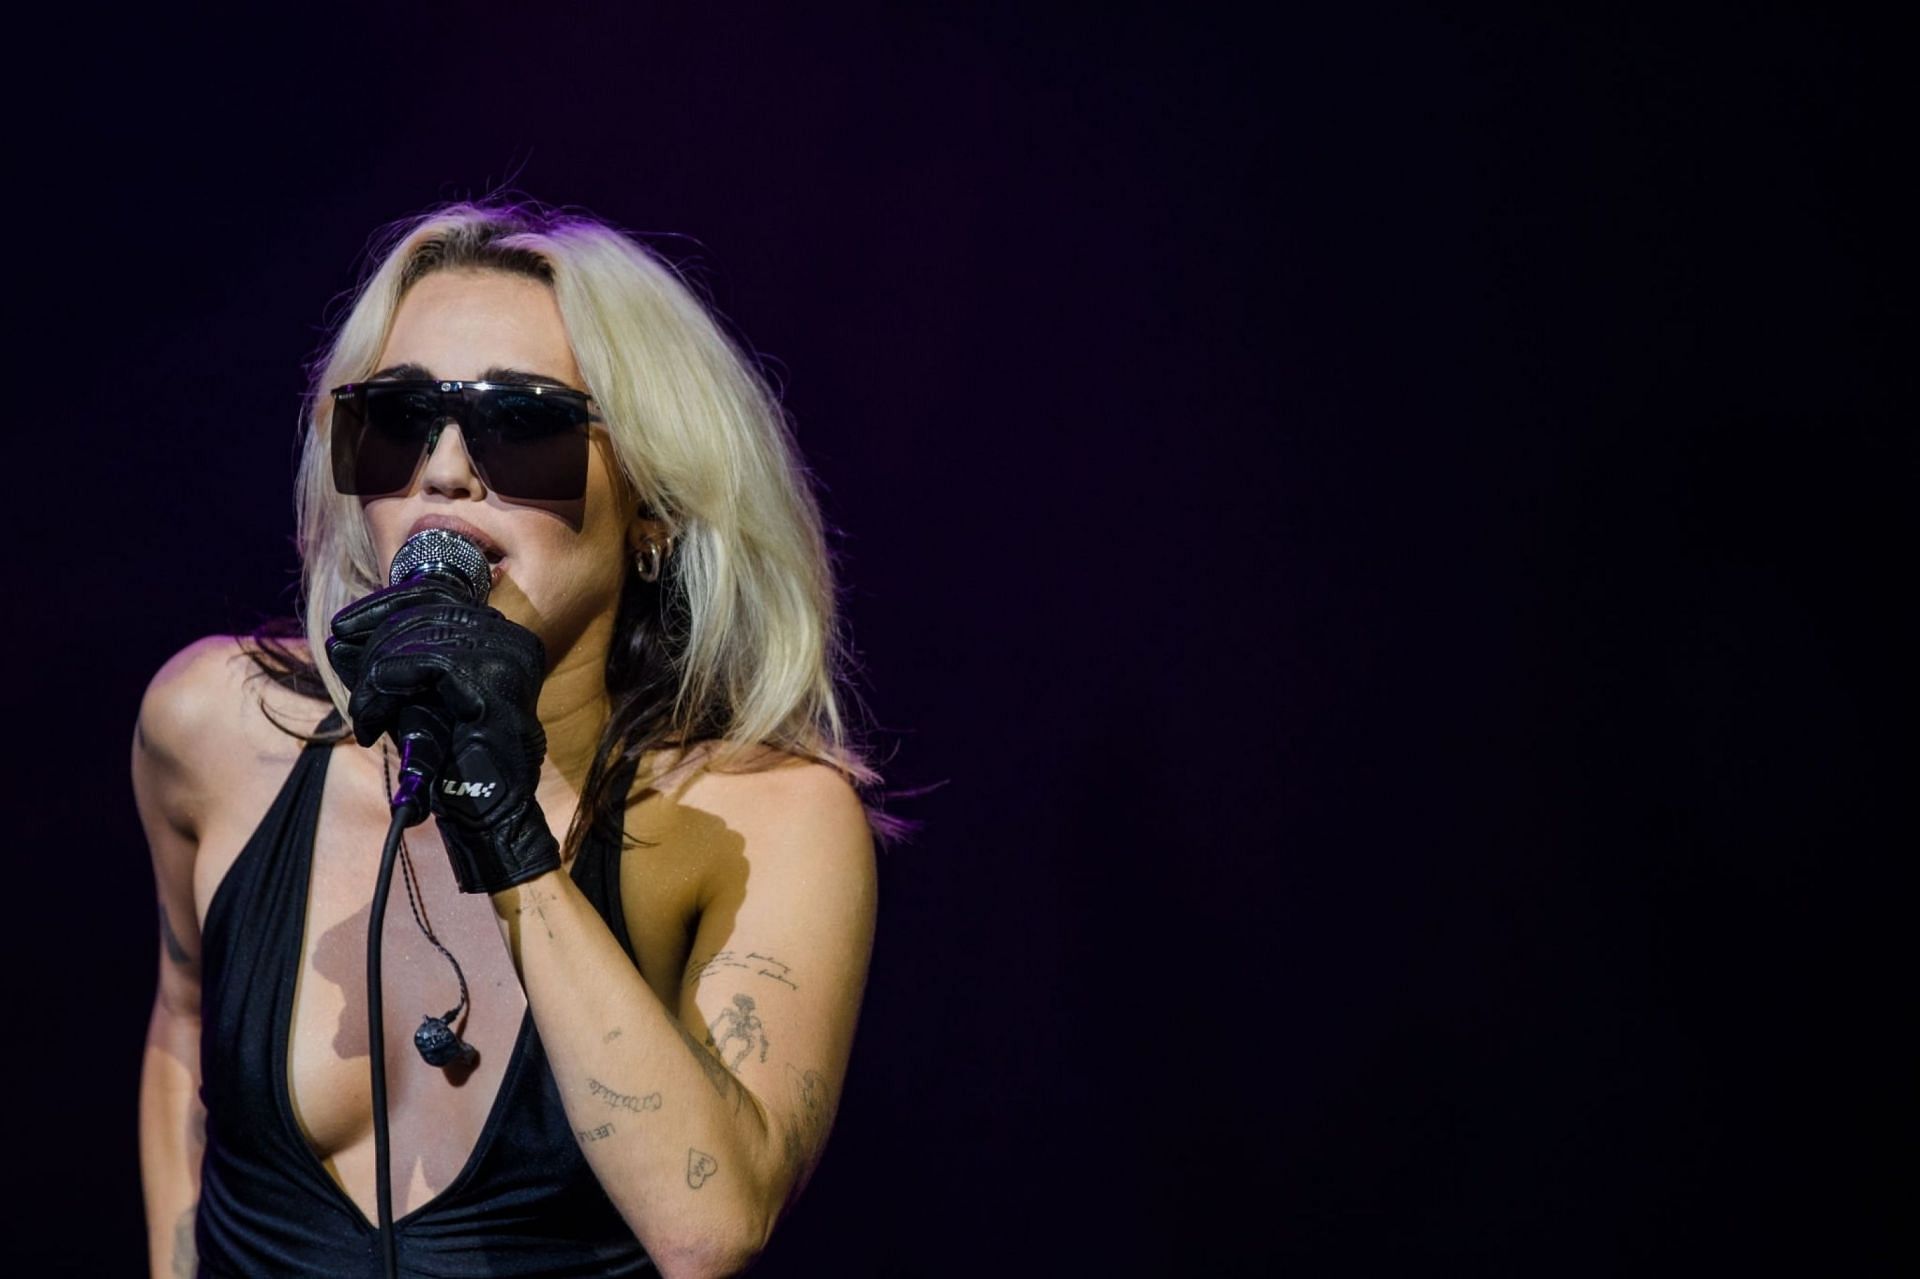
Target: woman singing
(637,929)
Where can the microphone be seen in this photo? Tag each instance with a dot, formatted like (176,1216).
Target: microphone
(446,557)
(457,568)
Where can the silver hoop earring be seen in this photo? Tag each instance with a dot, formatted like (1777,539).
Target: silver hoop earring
(650,559)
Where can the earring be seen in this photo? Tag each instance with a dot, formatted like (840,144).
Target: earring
(650,559)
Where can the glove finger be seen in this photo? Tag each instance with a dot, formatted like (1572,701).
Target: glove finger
(350,656)
(393,682)
(346,657)
(464,662)
(364,616)
(355,626)
(452,629)
(371,713)
(409,672)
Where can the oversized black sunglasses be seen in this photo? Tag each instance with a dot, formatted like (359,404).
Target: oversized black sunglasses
(527,441)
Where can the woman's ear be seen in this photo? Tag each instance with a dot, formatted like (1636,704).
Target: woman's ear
(649,544)
(645,527)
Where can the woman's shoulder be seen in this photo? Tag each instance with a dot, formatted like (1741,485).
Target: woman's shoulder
(214,698)
(770,797)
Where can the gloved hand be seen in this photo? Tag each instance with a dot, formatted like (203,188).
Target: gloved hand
(355,624)
(412,645)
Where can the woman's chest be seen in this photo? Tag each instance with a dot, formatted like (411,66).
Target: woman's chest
(438,1116)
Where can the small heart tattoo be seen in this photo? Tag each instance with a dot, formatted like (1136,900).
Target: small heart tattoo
(700,1166)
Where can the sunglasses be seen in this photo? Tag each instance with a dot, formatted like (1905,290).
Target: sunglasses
(526,441)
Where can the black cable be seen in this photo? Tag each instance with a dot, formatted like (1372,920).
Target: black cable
(416,902)
(377,1039)
(414,897)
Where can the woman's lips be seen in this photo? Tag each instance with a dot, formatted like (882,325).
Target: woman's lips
(487,545)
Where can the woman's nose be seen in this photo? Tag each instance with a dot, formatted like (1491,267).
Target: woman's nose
(450,471)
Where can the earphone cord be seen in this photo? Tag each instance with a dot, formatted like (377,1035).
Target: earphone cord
(419,915)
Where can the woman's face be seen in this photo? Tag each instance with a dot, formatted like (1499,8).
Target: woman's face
(558,566)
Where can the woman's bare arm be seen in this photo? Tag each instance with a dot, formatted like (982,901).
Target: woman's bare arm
(178,719)
(172,1122)
(702,1120)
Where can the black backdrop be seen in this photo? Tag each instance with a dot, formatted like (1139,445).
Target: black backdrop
(1382,525)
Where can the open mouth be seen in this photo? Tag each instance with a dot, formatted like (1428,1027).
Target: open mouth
(466,532)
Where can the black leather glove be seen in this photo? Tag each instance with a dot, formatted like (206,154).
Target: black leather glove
(412,645)
(355,624)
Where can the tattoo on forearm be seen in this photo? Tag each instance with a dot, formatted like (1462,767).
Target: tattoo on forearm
(751,961)
(610,1036)
(184,1259)
(717,1074)
(176,953)
(535,899)
(594,1134)
(738,1024)
(700,1166)
(639,1105)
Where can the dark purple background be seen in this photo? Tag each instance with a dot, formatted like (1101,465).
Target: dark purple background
(1385,527)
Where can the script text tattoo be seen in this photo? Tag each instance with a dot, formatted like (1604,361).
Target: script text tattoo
(748,961)
(639,1104)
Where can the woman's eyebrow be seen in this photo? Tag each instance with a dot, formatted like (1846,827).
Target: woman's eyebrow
(498,373)
(521,377)
(400,371)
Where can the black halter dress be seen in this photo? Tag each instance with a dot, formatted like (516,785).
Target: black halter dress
(525,1204)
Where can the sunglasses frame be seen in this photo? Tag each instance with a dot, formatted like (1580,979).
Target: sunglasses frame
(459,408)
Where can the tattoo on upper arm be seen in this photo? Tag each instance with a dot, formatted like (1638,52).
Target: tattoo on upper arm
(184,1260)
(738,1024)
(622,1100)
(767,965)
(700,1166)
(811,1086)
(176,952)
(807,1123)
(594,1134)
(749,961)
(610,1036)
(717,1074)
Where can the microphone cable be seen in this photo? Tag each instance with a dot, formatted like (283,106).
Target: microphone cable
(421,735)
(377,1040)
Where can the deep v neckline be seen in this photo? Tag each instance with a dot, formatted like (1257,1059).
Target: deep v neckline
(295,960)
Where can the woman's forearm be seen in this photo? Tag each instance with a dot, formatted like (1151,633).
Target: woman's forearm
(172,1139)
(680,1146)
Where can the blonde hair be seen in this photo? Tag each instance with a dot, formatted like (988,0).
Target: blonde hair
(743,648)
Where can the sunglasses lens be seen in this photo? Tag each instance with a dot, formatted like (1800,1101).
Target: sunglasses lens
(379,434)
(525,442)
(531,445)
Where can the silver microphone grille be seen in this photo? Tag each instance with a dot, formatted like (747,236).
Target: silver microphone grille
(442,551)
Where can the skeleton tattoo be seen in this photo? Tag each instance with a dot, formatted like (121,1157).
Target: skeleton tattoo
(740,1023)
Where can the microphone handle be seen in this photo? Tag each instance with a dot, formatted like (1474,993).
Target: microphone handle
(421,736)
